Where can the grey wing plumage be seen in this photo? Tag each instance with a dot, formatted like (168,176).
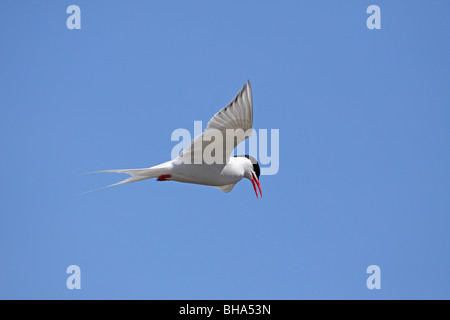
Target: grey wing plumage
(237,116)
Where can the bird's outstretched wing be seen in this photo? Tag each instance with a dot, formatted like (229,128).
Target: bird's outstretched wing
(226,129)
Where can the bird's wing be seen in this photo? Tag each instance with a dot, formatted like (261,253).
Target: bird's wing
(237,116)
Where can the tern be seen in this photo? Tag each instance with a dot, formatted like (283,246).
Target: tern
(233,123)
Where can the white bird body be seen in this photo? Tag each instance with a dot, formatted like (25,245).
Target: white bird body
(224,175)
(209,175)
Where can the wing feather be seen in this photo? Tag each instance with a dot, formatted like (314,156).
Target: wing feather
(238,114)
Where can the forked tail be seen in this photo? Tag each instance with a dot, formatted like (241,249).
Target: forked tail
(137,174)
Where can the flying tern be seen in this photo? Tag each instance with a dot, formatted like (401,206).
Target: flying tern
(226,129)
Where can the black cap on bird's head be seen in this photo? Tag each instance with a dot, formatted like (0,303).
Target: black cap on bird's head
(255,165)
(256,174)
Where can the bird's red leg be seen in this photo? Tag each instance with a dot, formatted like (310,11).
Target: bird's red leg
(164,177)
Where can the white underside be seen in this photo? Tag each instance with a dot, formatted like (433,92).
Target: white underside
(211,175)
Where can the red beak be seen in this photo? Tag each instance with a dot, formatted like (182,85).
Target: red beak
(254,186)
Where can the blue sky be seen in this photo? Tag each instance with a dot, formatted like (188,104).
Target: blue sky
(364,149)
